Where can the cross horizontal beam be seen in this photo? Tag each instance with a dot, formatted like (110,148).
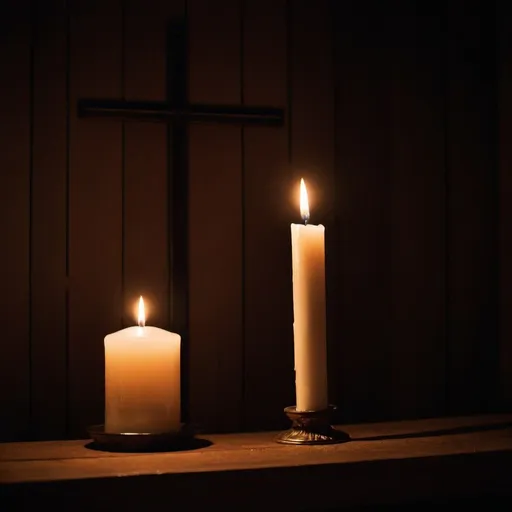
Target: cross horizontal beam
(163,111)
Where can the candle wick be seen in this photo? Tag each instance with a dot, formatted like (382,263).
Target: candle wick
(305,220)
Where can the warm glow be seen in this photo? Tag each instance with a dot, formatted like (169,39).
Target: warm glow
(304,203)
(142,313)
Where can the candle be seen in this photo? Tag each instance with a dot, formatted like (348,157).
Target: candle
(308,264)
(142,379)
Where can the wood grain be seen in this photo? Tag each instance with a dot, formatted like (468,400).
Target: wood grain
(504,69)
(472,199)
(417,215)
(362,433)
(95,208)
(15,215)
(49,310)
(393,463)
(215,221)
(268,212)
(361,312)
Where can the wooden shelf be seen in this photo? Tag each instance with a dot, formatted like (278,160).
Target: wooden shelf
(433,460)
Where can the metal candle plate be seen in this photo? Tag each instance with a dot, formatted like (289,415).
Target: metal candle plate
(140,441)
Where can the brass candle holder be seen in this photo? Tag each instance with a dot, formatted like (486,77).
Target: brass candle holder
(311,427)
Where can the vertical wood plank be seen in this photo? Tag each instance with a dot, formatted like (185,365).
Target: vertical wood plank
(15,147)
(472,206)
(360,303)
(215,221)
(312,129)
(49,223)
(504,47)
(146,220)
(95,241)
(268,318)
(418,272)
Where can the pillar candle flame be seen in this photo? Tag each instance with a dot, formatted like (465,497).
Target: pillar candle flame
(142,313)
(304,203)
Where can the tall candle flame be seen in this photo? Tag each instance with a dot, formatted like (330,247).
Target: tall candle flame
(142,313)
(304,203)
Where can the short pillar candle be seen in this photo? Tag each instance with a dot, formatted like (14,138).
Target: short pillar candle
(142,379)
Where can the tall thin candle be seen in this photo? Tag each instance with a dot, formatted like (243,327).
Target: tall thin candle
(308,264)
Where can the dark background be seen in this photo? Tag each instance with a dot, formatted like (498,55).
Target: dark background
(397,115)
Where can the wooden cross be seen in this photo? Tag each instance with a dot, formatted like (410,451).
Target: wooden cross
(177,111)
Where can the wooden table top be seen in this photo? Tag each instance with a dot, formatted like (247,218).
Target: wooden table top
(408,449)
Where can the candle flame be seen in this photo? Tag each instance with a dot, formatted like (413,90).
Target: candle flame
(142,313)
(304,203)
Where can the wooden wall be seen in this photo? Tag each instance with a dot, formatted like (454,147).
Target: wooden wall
(391,118)
(504,103)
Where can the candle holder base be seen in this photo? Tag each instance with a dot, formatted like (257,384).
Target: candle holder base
(140,441)
(311,427)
